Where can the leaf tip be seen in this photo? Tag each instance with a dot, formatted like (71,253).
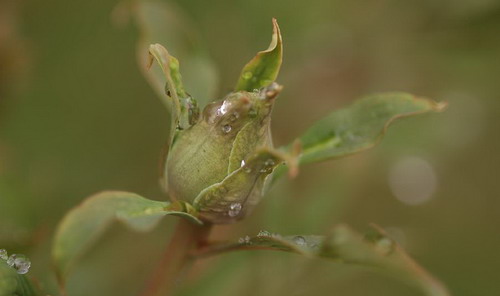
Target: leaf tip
(441,106)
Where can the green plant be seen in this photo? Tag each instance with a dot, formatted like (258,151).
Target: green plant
(222,162)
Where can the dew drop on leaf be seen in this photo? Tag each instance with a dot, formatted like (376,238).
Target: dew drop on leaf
(11,260)
(244,240)
(3,254)
(22,265)
(299,240)
(234,209)
(263,233)
(19,262)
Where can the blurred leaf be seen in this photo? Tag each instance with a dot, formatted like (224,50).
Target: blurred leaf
(344,245)
(184,109)
(85,223)
(360,126)
(263,69)
(12,283)
(163,23)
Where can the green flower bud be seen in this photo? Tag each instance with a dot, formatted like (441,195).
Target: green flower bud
(221,142)
(220,161)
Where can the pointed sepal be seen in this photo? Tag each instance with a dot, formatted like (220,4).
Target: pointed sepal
(263,69)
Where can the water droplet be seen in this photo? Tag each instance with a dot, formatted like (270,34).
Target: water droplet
(11,260)
(385,245)
(226,128)
(263,233)
(242,163)
(247,75)
(234,209)
(223,108)
(22,264)
(299,240)
(3,254)
(234,116)
(244,240)
(265,170)
(268,166)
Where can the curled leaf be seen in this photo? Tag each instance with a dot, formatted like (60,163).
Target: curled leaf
(263,69)
(85,223)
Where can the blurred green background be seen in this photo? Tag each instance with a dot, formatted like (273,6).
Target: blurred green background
(77,117)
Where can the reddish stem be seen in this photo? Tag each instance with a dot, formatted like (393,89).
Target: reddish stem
(177,258)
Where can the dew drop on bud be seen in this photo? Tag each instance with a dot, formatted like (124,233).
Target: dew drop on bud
(242,163)
(234,116)
(3,254)
(226,128)
(299,240)
(268,166)
(234,209)
(247,75)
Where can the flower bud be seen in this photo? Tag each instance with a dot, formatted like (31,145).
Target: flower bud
(220,161)
(228,135)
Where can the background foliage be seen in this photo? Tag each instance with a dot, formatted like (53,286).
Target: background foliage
(77,117)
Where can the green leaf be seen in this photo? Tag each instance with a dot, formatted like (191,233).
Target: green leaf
(263,69)
(344,245)
(165,23)
(12,283)
(85,223)
(360,126)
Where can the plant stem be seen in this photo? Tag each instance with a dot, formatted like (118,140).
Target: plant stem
(177,258)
